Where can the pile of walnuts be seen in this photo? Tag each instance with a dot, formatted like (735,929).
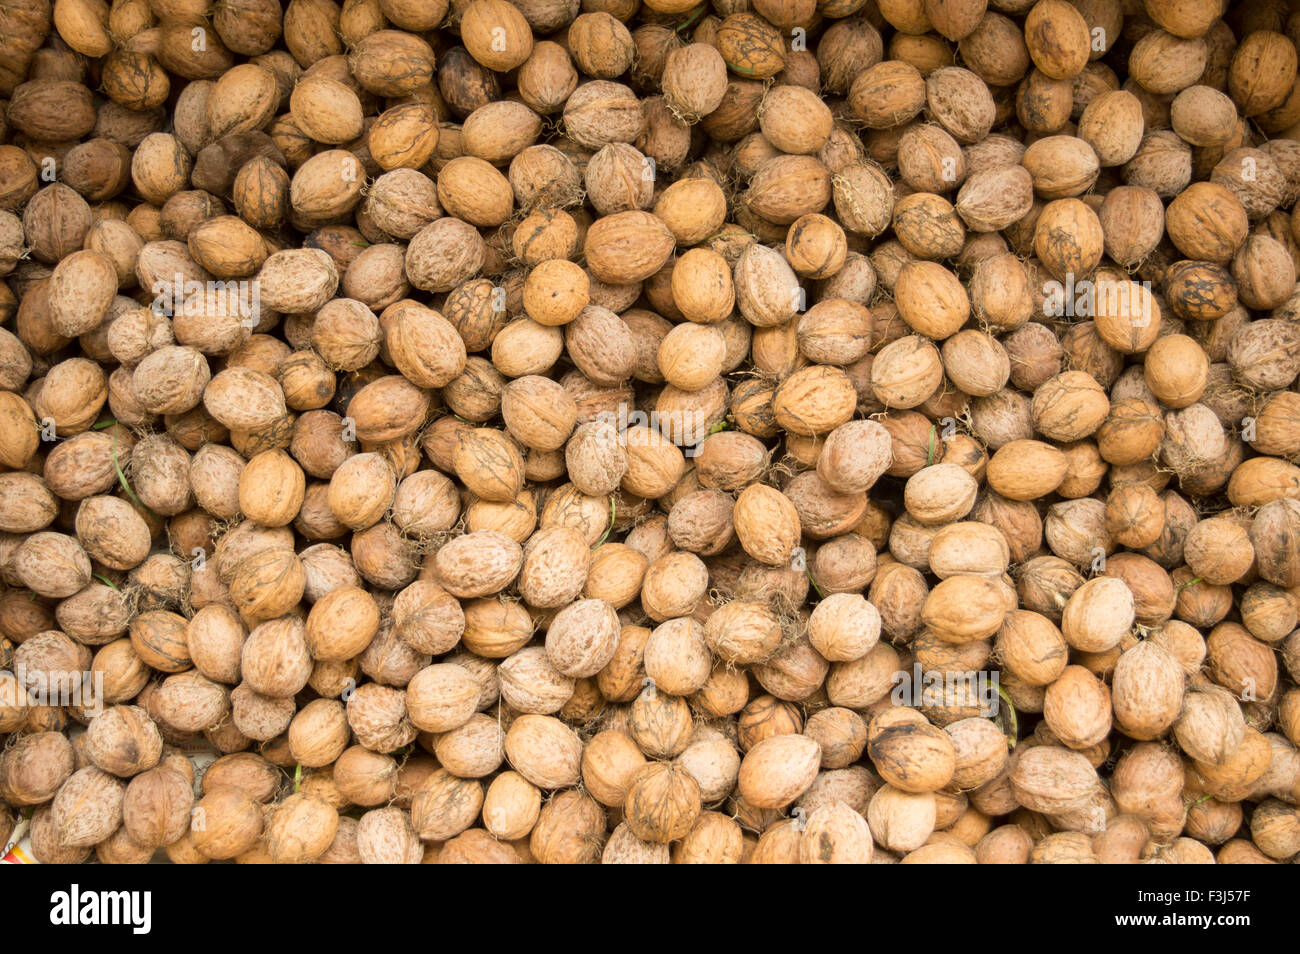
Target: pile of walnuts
(499,431)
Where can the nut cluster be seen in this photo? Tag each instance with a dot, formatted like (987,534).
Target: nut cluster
(773,431)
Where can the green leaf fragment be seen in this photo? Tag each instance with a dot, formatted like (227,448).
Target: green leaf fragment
(121,478)
(691,20)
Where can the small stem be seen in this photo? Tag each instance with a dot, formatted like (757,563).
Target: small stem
(1013,723)
(613,511)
